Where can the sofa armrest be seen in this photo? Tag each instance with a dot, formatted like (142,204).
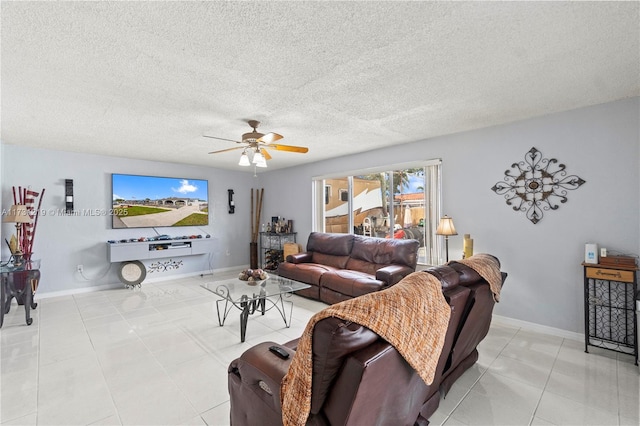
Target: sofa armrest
(263,370)
(299,258)
(392,274)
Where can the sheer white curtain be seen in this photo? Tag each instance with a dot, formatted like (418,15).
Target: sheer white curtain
(434,251)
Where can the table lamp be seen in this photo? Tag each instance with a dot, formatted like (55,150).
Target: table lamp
(446,228)
(18,214)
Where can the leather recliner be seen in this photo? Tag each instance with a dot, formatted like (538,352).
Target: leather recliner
(359,378)
(342,266)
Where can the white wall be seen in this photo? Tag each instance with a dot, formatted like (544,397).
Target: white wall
(62,242)
(601,144)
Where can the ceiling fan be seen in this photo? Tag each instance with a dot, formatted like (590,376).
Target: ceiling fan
(255,144)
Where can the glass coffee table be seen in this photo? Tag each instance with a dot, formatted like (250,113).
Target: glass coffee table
(249,297)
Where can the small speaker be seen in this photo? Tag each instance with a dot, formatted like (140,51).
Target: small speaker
(232,204)
(590,253)
(68,195)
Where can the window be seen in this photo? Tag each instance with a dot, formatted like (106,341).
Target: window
(401,201)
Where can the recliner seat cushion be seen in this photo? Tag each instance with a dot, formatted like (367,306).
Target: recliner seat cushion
(363,266)
(351,283)
(329,260)
(309,273)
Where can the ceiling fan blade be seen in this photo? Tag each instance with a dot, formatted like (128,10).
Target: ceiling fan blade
(221,139)
(270,137)
(225,150)
(290,148)
(265,154)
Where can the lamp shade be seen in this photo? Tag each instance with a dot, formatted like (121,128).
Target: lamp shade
(244,160)
(18,214)
(261,162)
(258,159)
(445,227)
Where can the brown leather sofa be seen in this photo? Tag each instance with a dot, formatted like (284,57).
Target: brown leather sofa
(342,266)
(359,378)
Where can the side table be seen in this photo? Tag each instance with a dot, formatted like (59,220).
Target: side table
(609,308)
(19,282)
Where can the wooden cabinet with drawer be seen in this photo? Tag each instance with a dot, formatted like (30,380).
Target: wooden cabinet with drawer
(610,319)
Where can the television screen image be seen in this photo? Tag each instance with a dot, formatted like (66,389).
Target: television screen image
(153,201)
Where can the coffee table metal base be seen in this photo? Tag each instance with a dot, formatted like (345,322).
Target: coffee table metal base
(249,306)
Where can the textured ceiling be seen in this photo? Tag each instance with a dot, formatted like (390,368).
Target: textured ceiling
(148,79)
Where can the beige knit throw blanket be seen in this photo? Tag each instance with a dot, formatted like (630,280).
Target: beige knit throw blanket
(488,268)
(412,315)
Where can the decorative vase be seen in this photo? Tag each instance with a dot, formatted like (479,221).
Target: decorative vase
(467,246)
(253,255)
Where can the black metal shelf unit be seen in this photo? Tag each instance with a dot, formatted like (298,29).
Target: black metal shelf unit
(609,308)
(272,248)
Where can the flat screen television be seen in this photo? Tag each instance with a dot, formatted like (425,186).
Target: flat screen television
(154,201)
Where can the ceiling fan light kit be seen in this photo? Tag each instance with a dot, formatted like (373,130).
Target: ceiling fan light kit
(256,144)
(244,159)
(259,160)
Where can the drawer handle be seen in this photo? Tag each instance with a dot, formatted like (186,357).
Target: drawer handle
(609,274)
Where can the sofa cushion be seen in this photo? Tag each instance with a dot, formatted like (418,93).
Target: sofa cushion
(351,283)
(333,340)
(383,252)
(335,244)
(329,260)
(309,273)
(331,297)
(363,266)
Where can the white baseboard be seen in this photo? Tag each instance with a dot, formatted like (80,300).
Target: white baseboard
(110,286)
(40,295)
(531,326)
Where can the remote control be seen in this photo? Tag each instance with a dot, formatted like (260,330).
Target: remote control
(279,352)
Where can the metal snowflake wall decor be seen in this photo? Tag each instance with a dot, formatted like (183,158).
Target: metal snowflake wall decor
(536,184)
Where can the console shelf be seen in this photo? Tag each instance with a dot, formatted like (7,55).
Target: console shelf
(122,252)
(132,271)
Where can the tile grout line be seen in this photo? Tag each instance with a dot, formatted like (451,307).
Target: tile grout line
(544,389)
(95,353)
(481,375)
(164,369)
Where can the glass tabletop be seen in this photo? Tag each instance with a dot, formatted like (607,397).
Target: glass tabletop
(235,289)
(25,265)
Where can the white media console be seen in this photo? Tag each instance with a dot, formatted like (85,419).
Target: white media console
(132,271)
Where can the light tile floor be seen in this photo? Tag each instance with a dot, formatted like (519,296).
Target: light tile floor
(156,356)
